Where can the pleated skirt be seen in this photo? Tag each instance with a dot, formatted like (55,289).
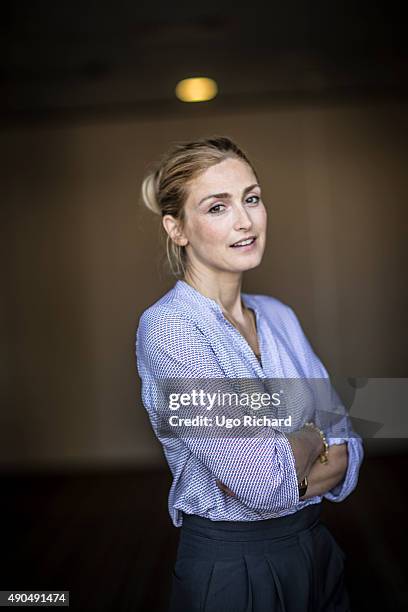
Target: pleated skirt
(285,564)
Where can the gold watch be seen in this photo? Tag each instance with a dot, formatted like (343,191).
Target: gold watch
(302,486)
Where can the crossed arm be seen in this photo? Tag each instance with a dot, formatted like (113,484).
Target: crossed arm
(322,477)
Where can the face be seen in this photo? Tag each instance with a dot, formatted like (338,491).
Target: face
(224,206)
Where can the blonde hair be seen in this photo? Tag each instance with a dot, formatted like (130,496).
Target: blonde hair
(165,190)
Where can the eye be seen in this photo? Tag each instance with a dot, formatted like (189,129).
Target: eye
(213,210)
(252,197)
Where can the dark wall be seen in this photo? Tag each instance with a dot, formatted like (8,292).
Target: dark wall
(82,260)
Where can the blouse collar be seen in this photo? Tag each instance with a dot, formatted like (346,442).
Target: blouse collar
(199,299)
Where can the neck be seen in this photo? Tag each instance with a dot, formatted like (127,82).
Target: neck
(225,289)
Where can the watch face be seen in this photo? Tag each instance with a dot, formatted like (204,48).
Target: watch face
(303,487)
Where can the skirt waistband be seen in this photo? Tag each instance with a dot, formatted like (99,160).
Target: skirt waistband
(278,527)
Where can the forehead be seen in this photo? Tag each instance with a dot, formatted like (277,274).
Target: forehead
(230,175)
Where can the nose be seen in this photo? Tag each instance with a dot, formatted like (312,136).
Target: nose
(242,219)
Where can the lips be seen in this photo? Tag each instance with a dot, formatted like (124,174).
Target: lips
(244,242)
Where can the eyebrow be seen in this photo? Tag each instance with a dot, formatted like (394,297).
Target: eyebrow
(226,195)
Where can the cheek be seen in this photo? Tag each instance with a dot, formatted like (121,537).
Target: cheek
(263,216)
(210,234)
(261,221)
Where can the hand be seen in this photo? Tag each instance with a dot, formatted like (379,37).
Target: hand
(324,476)
(224,488)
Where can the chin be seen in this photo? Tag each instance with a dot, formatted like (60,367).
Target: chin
(247,265)
(252,266)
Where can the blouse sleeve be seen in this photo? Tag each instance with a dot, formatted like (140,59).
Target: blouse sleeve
(337,428)
(259,469)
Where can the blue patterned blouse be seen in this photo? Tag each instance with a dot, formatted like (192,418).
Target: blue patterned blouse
(185,335)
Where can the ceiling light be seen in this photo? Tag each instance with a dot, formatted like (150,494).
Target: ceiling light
(197,89)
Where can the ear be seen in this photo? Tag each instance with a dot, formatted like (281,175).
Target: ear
(174,230)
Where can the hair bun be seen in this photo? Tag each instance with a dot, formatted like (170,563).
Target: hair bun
(149,194)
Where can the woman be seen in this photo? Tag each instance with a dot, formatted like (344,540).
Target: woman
(248,505)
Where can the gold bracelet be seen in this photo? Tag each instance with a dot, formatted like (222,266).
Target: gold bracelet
(324,455)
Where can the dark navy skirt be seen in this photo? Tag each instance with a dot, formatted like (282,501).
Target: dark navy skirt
(286,564)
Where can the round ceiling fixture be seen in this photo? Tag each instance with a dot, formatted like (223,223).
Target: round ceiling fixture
(196,89)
